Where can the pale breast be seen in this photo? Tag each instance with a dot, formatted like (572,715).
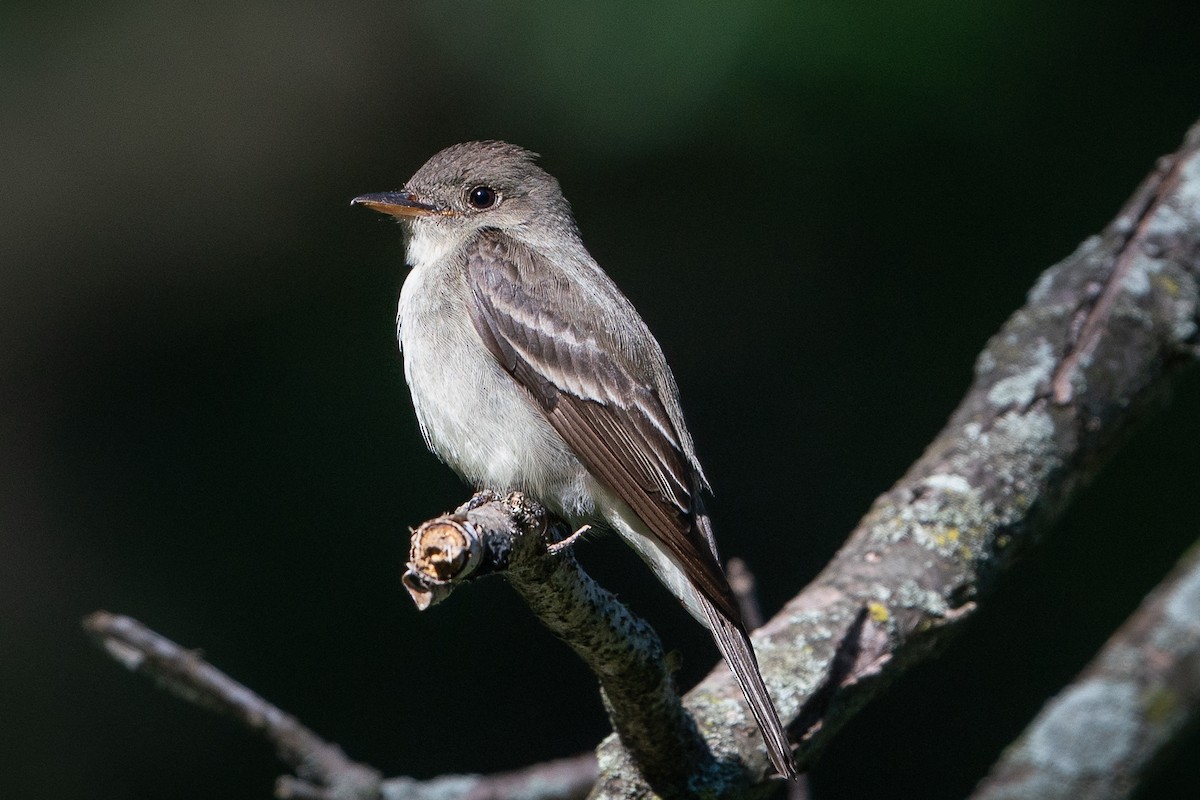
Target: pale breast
(473,415)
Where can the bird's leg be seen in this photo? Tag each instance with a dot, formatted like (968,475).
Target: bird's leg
(558,547)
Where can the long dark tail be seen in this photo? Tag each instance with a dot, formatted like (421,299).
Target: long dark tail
(735,647)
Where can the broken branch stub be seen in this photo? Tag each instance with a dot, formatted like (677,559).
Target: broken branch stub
(478,538)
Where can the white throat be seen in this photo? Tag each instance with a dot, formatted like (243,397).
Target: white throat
(430,245)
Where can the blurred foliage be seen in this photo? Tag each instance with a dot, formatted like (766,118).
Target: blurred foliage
(822,208)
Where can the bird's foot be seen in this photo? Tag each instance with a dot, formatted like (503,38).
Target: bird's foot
(558,547)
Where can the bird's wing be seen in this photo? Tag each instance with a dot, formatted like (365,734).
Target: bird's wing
(597,391)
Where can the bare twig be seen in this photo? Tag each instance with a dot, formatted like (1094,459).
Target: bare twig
(741,580)
(323,772)
(185,674)
(1101,735)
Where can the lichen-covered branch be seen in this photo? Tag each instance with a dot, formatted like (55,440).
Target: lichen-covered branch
(562,779)
(1100,736)
(1055,390)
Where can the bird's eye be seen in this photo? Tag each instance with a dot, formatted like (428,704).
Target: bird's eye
(482,197)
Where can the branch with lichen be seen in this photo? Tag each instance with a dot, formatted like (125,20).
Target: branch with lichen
(1054,392)
(1101,735)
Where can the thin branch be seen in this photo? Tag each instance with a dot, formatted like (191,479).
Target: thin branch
(741,581)
(323,772)
(188,676)
(1101,736)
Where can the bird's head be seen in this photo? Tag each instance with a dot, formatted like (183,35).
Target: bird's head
(476,185)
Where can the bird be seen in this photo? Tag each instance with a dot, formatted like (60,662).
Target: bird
(530,370)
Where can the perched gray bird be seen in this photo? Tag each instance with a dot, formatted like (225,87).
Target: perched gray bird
(530,370)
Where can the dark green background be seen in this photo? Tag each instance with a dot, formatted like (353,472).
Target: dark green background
(823,209)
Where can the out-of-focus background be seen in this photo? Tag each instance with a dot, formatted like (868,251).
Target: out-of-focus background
(823,209)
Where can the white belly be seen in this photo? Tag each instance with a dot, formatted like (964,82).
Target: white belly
(473,414)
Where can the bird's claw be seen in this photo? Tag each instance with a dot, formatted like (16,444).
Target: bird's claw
(558,547)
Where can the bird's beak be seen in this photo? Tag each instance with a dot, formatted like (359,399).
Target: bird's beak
(398,204)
